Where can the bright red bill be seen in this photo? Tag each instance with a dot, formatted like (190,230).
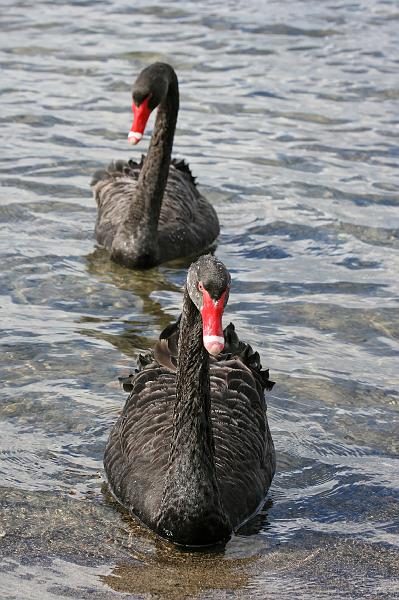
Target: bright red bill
(212,312)
(141,115)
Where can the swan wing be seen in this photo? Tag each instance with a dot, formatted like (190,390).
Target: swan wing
(137,451)
(244,450)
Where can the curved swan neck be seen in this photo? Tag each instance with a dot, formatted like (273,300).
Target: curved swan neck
(192,415)
(154,173)
(191,507)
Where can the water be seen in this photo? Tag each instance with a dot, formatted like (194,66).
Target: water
(289,118)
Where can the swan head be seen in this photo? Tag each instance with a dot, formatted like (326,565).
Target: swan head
(149,90)
(208,285)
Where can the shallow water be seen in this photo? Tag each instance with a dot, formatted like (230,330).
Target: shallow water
(289,117)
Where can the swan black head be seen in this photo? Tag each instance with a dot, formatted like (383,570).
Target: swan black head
(208,285)
(149,90)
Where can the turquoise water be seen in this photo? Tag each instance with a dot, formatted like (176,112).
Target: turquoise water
(289,119)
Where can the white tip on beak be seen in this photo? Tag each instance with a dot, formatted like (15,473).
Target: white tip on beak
(134,137)
(214,344)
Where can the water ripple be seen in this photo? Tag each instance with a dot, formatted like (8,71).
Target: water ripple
(289,120)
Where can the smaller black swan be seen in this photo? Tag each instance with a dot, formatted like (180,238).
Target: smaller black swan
(152,212)
(191,454)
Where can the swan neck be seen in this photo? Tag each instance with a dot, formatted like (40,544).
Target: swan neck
(154,172)
(192,416)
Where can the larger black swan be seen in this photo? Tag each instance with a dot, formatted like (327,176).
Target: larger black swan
(191,454)
(152,212)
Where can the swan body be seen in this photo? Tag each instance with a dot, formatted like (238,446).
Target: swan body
(191,454)
(152,212)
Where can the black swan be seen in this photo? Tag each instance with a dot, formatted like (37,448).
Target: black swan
(191,455)
(152,212)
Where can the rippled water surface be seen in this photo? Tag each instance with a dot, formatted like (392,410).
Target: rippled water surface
(289,118)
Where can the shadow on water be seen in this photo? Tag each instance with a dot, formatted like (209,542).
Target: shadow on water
(173,575)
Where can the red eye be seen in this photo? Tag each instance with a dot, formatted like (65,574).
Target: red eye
(200,286)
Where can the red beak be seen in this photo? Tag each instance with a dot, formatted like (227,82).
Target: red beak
(212,312)
(141,115)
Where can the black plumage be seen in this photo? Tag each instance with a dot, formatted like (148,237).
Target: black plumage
(191,454)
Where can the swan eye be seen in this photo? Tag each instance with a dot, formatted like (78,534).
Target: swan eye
(139,97)
(201,286)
